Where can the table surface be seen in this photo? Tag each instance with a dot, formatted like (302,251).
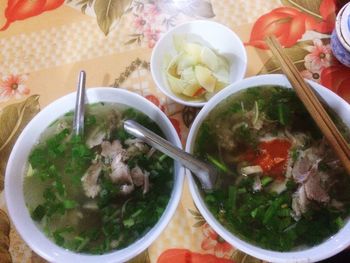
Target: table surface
(44,46)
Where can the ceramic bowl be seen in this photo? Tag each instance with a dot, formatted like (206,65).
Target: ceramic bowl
(340,38)
(328,247)
(17,209)
(212,34)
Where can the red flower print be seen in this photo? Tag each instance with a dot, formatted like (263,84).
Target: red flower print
(286,23)
(176,125)
(152,36)
(151,10)
(13,86)
(174,121)
(178,255)
(320,56)
(337,79)
(289,24)
(328,10)
(23,9)
(52,4)
(155,101)
(212,241)
(315,76)
(139,22)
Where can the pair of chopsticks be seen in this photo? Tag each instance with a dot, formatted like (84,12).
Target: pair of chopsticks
(312,103)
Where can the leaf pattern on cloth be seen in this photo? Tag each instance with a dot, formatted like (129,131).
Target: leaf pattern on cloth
(5,226)
(109,11)
(297,54)
(311,7)
(239,256)
(315,61)
(37,259)
(13,119)
(141,258)
(83,3)
(198,217)
(189,114)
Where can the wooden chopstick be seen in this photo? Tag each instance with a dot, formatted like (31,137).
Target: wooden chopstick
(312,103)
(310,95)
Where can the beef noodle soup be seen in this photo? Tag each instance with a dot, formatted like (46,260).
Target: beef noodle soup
(280,186)
(101,191)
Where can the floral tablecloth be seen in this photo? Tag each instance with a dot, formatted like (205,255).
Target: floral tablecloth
(45,43)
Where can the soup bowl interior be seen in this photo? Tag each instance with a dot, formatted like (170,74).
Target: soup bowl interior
(15,201)
(328,247)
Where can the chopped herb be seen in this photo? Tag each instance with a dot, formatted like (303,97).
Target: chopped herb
(266,180)
(295,154)
(218,164)
(39,212)
(129,222)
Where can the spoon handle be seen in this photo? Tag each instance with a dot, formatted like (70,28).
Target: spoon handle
(204,172)
(78,122)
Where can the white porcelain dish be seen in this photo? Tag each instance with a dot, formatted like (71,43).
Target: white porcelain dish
(18,212)
(329,247)
(217,36)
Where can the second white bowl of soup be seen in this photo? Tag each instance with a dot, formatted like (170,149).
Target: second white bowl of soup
(282,194)
(103,197)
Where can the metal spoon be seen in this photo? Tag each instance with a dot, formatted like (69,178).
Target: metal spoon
(78,121)
(206,174)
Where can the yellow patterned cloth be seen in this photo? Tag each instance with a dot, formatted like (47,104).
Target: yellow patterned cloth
(42,49)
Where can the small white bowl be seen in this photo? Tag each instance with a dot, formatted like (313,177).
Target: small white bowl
(328,247)
(18,211)
(217,36)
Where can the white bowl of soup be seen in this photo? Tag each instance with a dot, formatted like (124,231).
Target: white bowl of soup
(101,197)
(282,194)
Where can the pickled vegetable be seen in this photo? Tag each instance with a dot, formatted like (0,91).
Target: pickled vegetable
(196,71)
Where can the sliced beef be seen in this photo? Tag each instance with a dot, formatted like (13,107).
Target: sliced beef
(90,180)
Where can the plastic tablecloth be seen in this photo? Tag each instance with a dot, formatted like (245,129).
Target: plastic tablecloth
(45,43)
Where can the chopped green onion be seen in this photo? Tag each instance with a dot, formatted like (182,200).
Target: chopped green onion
(136,213)
(210,198)
(242,190)
(161,158)
(69,204)
(339,222)
(38,212)
(218,164)
(266,180)
(232,197)
(129,222)
(254,212)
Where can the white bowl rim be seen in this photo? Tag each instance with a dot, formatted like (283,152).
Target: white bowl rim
(59,254)
(337,242)
(185,24)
